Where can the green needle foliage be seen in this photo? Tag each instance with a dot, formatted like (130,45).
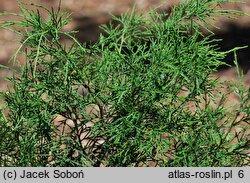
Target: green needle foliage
(142,95)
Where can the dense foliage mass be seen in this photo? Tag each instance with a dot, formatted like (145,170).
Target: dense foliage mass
(142,95)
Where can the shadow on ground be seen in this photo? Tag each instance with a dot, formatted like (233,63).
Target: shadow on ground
(235,36)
